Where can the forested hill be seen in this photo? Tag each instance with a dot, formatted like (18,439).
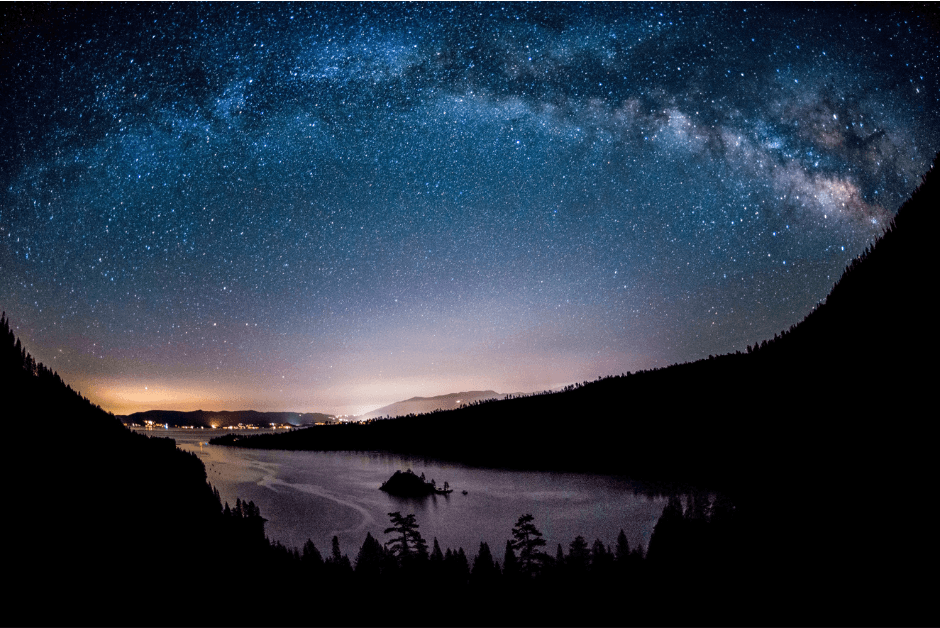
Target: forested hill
(823,434)
(101,517)
(790,404)
(423,405)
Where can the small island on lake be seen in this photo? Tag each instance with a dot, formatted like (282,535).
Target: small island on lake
(407,484)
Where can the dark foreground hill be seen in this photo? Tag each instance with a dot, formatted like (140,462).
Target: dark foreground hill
(822,435)
(110,527)
(101,519)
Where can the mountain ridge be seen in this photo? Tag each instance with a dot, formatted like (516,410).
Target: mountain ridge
(423,405)
(820,435)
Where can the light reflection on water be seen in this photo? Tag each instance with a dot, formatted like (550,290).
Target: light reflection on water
(317,495)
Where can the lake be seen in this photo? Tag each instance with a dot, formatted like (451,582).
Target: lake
(318,495)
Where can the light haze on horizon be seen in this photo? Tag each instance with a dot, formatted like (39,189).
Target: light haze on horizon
(331,208)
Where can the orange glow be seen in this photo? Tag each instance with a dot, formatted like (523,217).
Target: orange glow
(129,397)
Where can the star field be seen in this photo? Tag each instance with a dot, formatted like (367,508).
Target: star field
(321,207)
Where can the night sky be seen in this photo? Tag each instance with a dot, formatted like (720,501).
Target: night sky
(333,207)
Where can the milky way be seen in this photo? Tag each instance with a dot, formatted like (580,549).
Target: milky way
(332,207)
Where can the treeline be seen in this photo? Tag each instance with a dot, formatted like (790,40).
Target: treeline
(822,438)
(860,354)
(113,519)
(727,420)
(830,416)
(693,556)
(480,402)
(101,517)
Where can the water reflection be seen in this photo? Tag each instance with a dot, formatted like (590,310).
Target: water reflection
(318,495)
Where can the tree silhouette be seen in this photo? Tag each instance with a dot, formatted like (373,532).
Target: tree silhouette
(665,551)
(622,551)
(510,563)
(485,570)
(339,563)
(602,562)
(456,568)
(369,560)
(437,556)
(311,559)
(407,541)
(578,557)
(528,540)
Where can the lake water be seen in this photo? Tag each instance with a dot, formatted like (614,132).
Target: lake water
(317,495)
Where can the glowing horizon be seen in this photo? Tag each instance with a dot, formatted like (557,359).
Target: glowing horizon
(327,207)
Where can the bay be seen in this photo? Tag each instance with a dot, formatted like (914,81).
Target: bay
(319,495)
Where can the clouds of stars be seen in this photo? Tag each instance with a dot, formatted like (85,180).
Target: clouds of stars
(331,207)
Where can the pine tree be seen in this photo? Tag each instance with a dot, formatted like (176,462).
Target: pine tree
(407,541)
(622,552)
(528,541)
(602,562)
(456,569)
(369,560)
(665,546)
(485,570)
(510,563)
(578,557)
(339,562)
(436,555)
(311,557)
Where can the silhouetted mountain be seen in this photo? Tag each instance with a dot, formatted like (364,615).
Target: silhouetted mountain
(858,352)
(102,514)
(105,518)
(822,435)
(224,418)
(423,405)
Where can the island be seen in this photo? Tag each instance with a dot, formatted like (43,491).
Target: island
(407,484)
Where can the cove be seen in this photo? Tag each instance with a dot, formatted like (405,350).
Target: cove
(318,495)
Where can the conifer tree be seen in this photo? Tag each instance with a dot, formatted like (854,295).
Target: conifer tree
(437,557)
(622,551)
(578,557)
(456,568)
(338,561)
(311,556)
(602,561)
(369,560)
(664,549)
(528,541)
(485,570)
(407,541)
(510,563)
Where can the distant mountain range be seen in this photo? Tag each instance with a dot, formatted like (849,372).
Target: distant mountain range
(423,405)
(822,436)
(227,418)
(224,418)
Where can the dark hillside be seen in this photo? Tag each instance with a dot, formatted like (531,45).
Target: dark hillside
(822,434)
(103,517)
